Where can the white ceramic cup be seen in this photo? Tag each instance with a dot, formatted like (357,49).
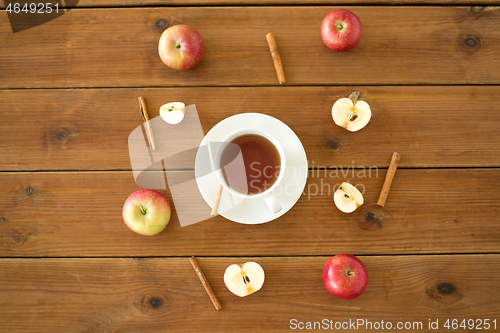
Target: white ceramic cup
(270,199)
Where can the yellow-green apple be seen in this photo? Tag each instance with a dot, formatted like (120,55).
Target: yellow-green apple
(244,280)
(341,30)
(350,115)
(181,47)
(347,198)
(345,276)
(146,212)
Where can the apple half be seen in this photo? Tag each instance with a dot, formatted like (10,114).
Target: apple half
(347,198)
(244,280)
(173,113)
(351,116)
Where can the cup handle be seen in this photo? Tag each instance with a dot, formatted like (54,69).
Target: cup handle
(272,203)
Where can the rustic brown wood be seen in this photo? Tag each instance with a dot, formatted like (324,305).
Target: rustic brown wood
(429,211)
(101,48)
(163,294)
(88,129)
(143,3)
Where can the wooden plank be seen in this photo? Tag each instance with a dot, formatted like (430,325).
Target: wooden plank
(88,129)
(101,48)
(144,3)
(160,294)
(428,211)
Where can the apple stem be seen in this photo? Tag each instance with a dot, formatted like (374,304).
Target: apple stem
(354,97)
(349,272)
(143,211)
(340,27)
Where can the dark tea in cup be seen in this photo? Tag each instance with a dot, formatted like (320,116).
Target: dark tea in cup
(261,160)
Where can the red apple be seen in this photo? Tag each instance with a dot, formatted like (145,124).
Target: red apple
(146,212)
(341,30)
(181,47)
(345,276)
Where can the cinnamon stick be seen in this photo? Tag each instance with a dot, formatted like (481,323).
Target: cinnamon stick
(217,200)
(145,117)
(388,179)
(276,57)
(205,284)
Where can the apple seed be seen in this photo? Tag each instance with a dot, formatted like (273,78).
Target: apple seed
(352,116)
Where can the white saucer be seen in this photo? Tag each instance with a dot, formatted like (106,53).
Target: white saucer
(288,191)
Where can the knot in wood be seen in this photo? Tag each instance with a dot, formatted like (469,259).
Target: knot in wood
(30,190)
(161,23)
(19,239)
(477,9)
(155,302)
(372,221)
(63,135)
(471,41)
(445,288)
(334,144)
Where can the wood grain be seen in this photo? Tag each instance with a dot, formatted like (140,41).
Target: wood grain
(88,129)
(118,48)
(431,212)
(78,214)
(164,294)
(144,3)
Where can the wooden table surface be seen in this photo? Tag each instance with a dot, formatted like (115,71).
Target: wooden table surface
(68,101)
